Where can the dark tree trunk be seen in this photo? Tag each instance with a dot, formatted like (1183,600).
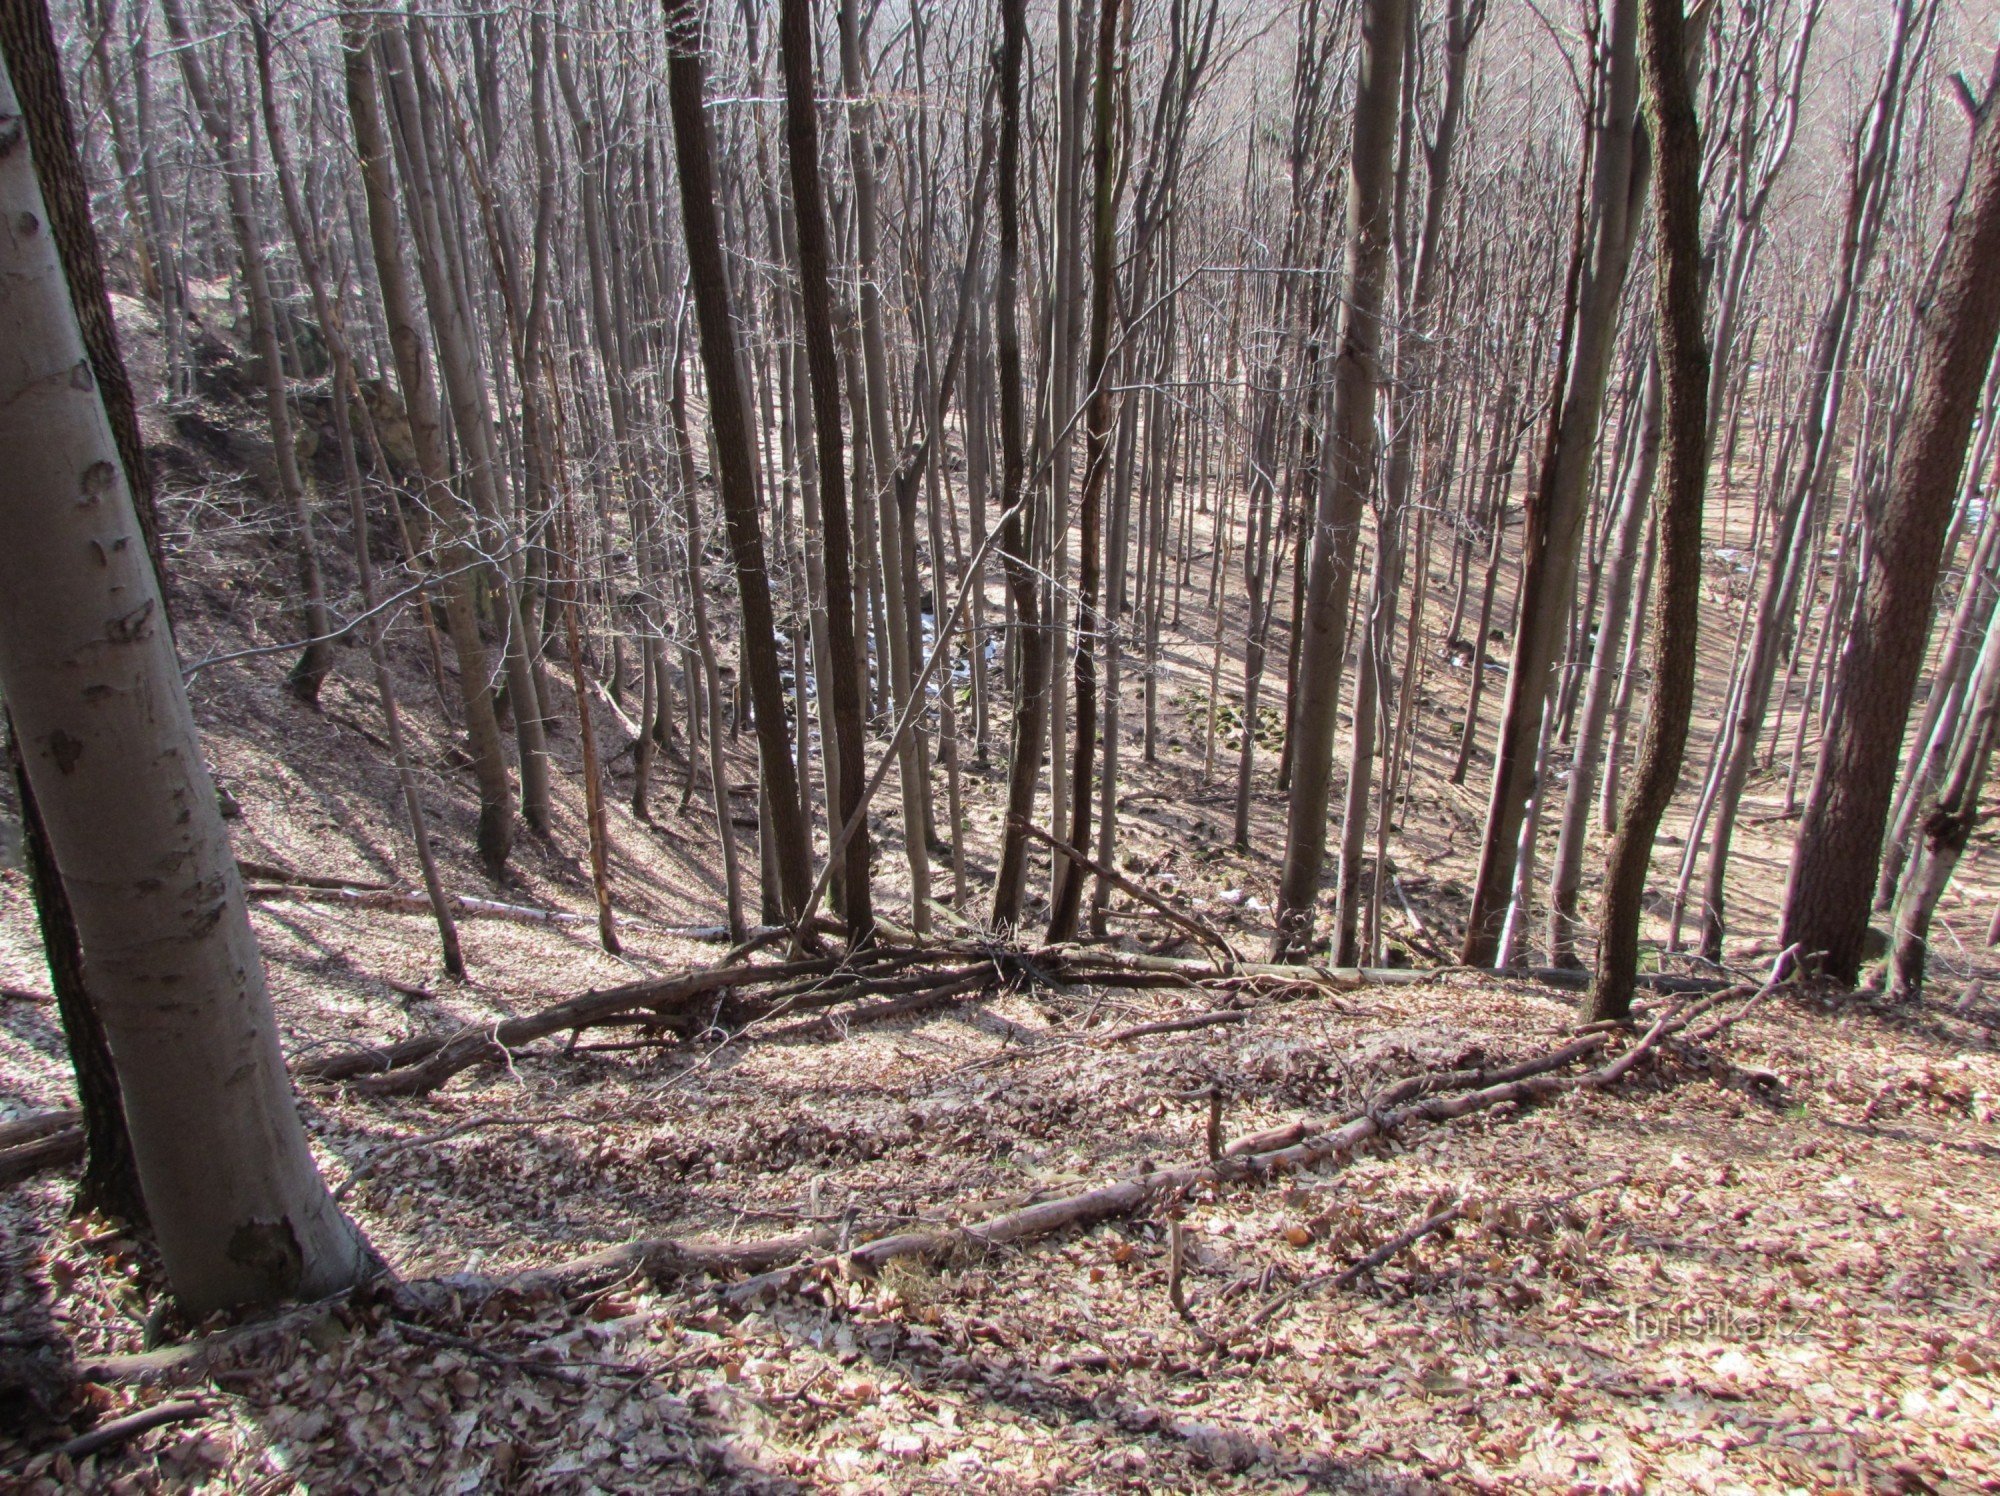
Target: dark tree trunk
(1683,354)
(1839,846)
(735,456)
(823,367)
(1031,678)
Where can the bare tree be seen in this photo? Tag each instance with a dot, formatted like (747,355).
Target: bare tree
(88,668)
(1683,354)
(733,450)
(1839,844)
(1347,466)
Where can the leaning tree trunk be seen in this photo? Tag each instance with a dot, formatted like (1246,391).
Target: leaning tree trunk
(1555,509)
(1946,826)
(734,454)
(88,668)
(1839,844)
(1348,467)
(1683,355)
(28,51)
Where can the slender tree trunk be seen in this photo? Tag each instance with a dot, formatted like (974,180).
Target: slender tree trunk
(823,370)
(1683,353)
(1347,467)
(1096,460)
(1555,510)
(316,661)
(420,405)
(1947,825)
(1031,679)
(1566,877)
(335,336)
(734,455)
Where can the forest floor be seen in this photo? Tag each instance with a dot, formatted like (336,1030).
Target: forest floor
(1768,1263)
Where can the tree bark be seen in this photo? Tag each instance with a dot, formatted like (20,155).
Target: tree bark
(795,41)
(1839,844)
(735,457)
(1347,468)
(1683,353)
(88,669)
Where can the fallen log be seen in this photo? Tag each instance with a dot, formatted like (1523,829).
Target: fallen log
(40,1125)
(53,1150)
(773,1261)
(417,1065)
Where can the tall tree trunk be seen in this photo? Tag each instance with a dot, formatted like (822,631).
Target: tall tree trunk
(1096,460)
(1031,679)
(1623,562)
(88,669)
(316,660)
(29,52)
(1839,844)
(734,455)
(1683,354)
(1555,509)
(345,389)
(439,238)
(795,40)
(1347,467)
(420,406)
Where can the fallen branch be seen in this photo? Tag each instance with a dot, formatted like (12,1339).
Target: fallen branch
(131,1425)
(1394,1247)
(1175,1025)
(1201,930)
(271,874)
(1128,1196)
(40,1125)
(455,1051)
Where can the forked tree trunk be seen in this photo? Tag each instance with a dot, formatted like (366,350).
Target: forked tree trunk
(1839,844)
(88,668)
